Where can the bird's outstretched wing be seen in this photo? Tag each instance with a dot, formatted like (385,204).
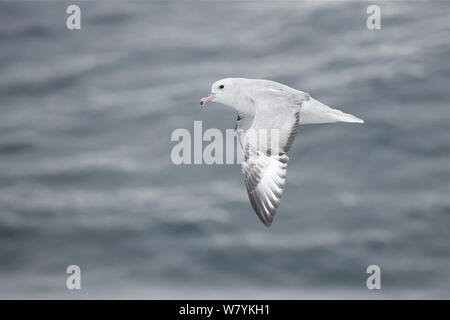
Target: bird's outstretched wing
(312,111)
(265,177)
(265,142)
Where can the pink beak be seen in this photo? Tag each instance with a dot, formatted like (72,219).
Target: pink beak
(207,99)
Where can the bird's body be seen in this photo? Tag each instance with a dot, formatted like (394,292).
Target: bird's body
(269,114)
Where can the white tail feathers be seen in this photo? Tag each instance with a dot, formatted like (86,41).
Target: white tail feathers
(313,111)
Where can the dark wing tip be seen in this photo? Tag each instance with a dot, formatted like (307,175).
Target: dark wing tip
(265,215)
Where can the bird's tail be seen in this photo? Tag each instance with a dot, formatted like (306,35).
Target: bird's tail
(313,111)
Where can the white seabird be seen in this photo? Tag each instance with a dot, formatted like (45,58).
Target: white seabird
(276,109)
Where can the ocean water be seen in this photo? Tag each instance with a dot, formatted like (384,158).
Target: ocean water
(86,177)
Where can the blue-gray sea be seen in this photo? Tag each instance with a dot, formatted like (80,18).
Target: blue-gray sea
(86,176)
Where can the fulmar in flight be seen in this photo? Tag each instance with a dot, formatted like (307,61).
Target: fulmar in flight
(269,114)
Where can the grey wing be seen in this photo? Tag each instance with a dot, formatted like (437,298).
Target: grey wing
(276,88)
(265,164)
(273,91)
(265,177)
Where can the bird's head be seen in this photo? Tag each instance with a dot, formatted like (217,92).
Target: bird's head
(223,91)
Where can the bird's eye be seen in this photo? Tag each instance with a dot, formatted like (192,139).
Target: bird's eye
(221,86)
